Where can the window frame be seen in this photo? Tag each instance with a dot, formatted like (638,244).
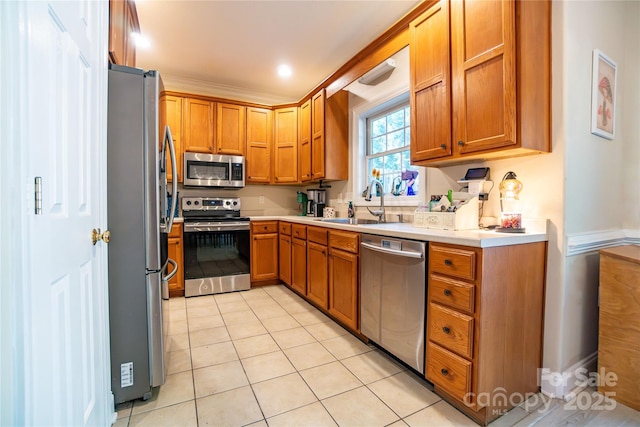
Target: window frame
(359,178)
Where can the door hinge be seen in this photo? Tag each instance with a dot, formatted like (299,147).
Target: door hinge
(38,195)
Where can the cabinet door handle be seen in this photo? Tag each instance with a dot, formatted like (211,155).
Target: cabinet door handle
(447,292)
(448,262)
(446,330)
(443,146)
(444,372)
(460,143)
(324,253)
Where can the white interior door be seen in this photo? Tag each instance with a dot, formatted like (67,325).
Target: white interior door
(62,325)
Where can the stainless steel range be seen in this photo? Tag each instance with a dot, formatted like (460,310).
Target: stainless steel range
(216,246)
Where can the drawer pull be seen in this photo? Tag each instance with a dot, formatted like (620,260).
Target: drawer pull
(447,292)
(444,372)
(265,227)
(446,330)
(448,262)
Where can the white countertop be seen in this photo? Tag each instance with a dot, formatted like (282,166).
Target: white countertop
(476,238)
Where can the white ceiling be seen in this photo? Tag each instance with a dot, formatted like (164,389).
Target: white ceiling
(232,48)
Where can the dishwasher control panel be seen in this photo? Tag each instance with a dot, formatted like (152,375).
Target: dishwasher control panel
(391,244)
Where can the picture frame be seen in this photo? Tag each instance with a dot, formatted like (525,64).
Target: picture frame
(603,95)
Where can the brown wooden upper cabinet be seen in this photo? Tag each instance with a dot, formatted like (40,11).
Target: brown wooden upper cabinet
(286,146)
(123,20)
(259,142)
(230,129)
(197,125)
(304,140)
(324,137)
(492,98)
(171,114)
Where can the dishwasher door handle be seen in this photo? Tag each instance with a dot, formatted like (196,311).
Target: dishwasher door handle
(417,255)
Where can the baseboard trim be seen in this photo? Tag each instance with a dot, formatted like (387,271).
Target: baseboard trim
(581,243)
(567,384)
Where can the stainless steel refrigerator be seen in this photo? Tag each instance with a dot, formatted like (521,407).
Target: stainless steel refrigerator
(139,223)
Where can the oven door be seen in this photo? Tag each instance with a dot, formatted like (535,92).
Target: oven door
(216,257)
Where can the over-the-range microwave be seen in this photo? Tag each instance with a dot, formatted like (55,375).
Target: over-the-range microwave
(213,170)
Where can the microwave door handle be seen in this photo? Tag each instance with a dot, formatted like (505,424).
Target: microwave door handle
(174,181)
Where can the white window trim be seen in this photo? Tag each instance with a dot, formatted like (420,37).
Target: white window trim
(359,138)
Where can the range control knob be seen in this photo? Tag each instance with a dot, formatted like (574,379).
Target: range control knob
(197,202)
(188,202)
(235,203)
(227,202)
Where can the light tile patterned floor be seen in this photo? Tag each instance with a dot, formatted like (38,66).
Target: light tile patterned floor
(265,357)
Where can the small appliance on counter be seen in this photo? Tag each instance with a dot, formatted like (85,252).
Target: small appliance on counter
(317,202)
(302,203)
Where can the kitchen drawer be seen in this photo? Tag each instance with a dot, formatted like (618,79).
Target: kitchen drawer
(344,240)
(299,231)
(317,235)
(176,230)
(459,295)
(285,228)
(451,329)
(452,261)
(263,227)
(449,371)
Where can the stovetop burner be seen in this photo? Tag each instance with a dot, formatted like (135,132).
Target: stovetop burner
(212,209)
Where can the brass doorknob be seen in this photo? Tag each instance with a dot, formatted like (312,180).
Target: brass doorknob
(96,235)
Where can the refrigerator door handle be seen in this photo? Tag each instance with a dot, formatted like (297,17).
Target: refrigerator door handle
(168,139)
(173,272)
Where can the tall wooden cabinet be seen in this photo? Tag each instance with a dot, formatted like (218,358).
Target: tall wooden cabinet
(484,325)
(259,143)
(286,145)
(492,98)
(619,328)
(197,125)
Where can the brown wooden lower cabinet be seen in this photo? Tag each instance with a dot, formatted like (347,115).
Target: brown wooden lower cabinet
(299,265)
(619,332)
(484,325)
(344,248)
(343,287)
(284,251)
(264,251)
(317,270)
(175,252)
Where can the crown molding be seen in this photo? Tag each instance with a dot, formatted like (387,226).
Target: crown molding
(202,87)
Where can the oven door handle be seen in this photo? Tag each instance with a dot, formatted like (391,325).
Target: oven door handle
(191,228)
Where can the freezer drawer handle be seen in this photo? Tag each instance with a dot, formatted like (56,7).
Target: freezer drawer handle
(417,255)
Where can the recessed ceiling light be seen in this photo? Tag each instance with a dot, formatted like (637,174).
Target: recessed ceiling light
(284,70)
(140,40)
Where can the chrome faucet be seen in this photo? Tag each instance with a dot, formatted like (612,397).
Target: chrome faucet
(379,213)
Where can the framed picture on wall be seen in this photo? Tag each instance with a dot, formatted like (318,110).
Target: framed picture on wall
(603,95)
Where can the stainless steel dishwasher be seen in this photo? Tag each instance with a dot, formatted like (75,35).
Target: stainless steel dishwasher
(392,296)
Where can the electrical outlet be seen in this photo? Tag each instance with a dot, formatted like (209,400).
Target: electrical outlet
(261,200)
